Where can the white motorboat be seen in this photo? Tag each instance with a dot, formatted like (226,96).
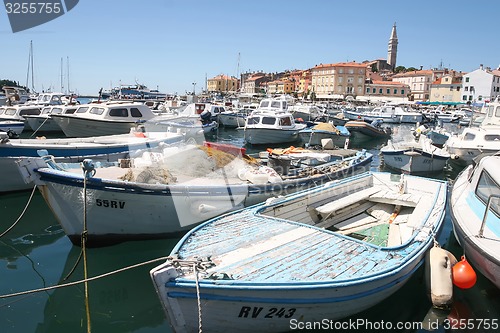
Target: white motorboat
(414,156)
(103,119)
(18,111)
(387,113)
(475,211)
(474,141)
(44,123)
(271,123)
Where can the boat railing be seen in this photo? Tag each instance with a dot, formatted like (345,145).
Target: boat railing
(485,216)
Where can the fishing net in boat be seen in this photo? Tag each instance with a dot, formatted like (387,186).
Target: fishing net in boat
(150,175)
(326,127)
(192,162)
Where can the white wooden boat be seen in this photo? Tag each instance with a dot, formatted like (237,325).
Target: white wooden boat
(328,252)
(414,156)
(388,113)
(44,122)
(271,123)
(474,141)
(103,119)
(165,193)
(475,211)
(102,148)
(312,136)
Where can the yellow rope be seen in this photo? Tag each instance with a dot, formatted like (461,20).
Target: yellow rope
(84,238)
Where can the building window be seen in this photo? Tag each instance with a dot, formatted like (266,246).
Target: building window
(367,90)
(402,91)
(466,88)
(466,79)
(395,91)
(380,91)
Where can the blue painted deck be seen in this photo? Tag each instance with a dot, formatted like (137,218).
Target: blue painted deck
(315,255)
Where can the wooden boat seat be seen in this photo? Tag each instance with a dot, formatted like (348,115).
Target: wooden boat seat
(329,209)
(395,198)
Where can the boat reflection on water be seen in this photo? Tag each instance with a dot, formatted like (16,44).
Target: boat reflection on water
(124,302)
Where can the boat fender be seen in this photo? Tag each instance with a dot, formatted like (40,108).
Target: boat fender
(454,157)
(439,279)
(464,276)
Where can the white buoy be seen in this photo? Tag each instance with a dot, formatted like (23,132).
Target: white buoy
(439,279)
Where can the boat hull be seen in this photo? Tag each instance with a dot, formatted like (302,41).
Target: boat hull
(257,136)
(15,126)
(39,124)
(467,212)
(249,308)
(414,161)
(82,127)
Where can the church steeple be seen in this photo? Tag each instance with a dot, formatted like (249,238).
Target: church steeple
(393,48)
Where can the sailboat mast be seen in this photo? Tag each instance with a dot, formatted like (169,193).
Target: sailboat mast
(62,84)
(67,73)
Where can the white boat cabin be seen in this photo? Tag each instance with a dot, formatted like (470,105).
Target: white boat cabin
(16,112)
(119,111)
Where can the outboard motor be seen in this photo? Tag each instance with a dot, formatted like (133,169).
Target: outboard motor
(206,117)
(12,135)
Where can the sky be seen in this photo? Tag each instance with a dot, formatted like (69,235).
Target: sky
(171,44)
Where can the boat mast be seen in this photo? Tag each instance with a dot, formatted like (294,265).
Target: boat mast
(67,73)
(30,69)
(62,76)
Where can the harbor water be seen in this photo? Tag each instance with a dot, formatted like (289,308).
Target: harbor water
(35,254)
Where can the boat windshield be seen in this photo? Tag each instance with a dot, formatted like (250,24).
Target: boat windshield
(487,187)
(268,120)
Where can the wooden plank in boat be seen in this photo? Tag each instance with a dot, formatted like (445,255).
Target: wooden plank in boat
(394,198)
(355,221)
(330,208)
(406,232)
(394,238)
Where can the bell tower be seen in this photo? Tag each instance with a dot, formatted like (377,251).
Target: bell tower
(393,48)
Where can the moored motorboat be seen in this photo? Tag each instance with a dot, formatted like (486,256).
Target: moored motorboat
(362,130)
(103,119)
(271,123)
(474,141)
(475,211)
(328,252)
(414,156)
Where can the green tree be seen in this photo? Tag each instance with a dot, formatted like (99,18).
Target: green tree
(400,69)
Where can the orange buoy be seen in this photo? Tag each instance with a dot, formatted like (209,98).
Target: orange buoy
(464,276)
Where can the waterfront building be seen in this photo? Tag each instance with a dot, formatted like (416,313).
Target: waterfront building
(447,89)
(419,82)
(380,90)
(338,80)
(481,85)
(222,84)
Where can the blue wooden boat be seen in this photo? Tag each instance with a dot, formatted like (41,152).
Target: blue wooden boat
(324,253)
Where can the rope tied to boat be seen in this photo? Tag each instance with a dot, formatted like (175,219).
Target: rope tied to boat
(198,298)
(88,170)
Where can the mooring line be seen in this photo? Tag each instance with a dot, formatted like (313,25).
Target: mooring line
(74,283)
(22,213)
